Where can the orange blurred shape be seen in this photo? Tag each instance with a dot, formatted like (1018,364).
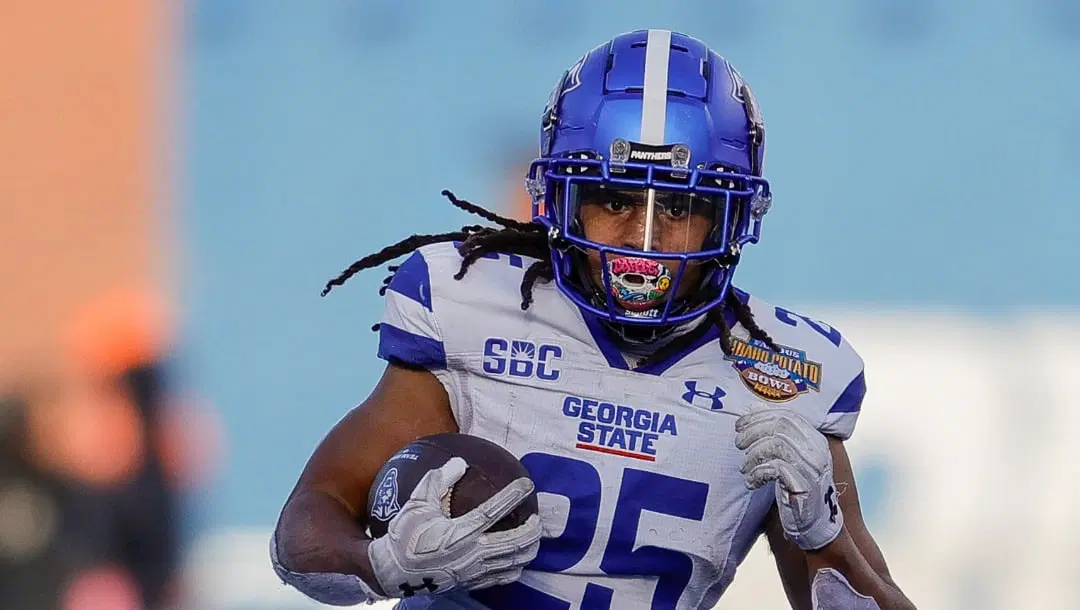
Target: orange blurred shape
(93,433)
(92,430)
(103,588)
(517,198)
(119,330)
(104,441)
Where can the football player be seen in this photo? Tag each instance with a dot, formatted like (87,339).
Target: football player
(667,418)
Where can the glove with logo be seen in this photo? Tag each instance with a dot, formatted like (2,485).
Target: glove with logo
(783,447)
(425,551)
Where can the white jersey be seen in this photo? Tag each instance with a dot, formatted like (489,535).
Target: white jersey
(641,499)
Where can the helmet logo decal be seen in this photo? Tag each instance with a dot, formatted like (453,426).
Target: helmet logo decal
(570,80)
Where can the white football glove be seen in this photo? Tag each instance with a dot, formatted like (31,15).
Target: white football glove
(781,446)
(425,551)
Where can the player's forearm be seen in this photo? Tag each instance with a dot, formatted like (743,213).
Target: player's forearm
(317,534)
(844,556)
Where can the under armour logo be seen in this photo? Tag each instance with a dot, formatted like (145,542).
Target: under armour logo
(833,508)
(693,392)
(408,590)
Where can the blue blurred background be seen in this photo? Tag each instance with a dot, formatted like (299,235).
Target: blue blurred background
(179,179)
(924,153)
(925,156)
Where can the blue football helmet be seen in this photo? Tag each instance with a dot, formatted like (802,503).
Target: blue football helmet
(657,129)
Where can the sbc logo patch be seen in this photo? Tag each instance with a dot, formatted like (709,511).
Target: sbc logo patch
(523,359)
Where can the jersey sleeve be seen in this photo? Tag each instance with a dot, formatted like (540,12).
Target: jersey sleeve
(841,387)
(409,332)
(843,412)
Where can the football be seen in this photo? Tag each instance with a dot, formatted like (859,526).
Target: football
(491,468)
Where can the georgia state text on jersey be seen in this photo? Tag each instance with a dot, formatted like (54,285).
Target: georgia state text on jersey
(642,502)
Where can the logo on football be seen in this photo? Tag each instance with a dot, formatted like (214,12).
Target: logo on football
(386,497)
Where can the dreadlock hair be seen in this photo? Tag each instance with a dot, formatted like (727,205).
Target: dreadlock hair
(530,239)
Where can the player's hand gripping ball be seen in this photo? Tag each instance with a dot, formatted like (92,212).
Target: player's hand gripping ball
(451,511)
(781,446)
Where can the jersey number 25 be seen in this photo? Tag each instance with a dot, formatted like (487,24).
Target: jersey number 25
(579,482)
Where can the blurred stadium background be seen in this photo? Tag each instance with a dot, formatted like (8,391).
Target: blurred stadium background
(178,180)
